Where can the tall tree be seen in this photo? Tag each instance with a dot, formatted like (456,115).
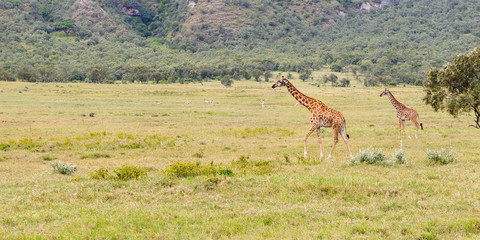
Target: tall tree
(456,86)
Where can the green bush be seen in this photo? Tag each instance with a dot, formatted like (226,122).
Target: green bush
(188,169)
(376,156)
(101,173)
(370,156)
(63,168)
(128,172)
(398,157)
(125,172)
(444,157)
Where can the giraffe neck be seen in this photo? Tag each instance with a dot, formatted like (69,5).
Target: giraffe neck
(396,104)
(301,98)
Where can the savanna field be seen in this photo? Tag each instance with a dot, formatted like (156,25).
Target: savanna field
(227,168)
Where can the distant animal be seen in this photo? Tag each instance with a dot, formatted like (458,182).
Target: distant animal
(186,103)
(160,103)
(91,114)
(208,102)
(403,113)
(321,116)
(263,104)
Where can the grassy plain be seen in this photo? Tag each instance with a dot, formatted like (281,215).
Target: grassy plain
(273,193)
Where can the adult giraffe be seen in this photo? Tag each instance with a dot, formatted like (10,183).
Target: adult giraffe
(321,116)
(403,113)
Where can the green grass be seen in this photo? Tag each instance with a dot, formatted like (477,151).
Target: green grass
(236,169)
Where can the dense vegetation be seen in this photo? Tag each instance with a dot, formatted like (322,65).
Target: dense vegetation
(179,41)
(456,87)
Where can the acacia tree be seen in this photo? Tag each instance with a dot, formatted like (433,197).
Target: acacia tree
(67,27)
(456,87)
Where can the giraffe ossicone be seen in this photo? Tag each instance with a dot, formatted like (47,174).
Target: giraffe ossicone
(321,116)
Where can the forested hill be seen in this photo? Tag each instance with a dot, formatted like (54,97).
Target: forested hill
(389,41)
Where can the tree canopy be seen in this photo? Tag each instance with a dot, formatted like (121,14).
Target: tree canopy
(456,87)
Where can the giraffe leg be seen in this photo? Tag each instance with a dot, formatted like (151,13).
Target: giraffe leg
(399,128)
(335,140)
(415,122)
(320,142)
(305,140)
(403,124)
(345,139)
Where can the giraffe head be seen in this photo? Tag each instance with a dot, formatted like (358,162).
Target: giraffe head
(385,92)
(282,82)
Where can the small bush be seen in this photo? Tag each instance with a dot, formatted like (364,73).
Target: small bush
(101,173)
(398,157)
(442,158)
(376,156)
(63,168)
(128,172)
(369,156)
(125,172)
(188,169)
(184,169)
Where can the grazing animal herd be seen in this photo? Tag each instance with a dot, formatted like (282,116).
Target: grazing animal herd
(323,116)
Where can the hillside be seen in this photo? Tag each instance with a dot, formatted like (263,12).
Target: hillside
(389,42)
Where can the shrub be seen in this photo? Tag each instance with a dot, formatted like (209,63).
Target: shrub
(101,173)
(442,158)
(369,156)
(188,169)
(125,172)
(63,168)
(376,156)
(398,157)
(226,81)
(128,172)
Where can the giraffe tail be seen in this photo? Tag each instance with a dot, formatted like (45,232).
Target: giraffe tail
(345,125)
(421,124)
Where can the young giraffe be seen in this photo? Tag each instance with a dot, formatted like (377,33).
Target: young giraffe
(322,116)
(403,113)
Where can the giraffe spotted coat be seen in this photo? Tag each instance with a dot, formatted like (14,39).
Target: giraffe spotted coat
(403,113)
(321,116)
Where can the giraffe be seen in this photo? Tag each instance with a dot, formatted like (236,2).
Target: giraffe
(321,116)
(403,113)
